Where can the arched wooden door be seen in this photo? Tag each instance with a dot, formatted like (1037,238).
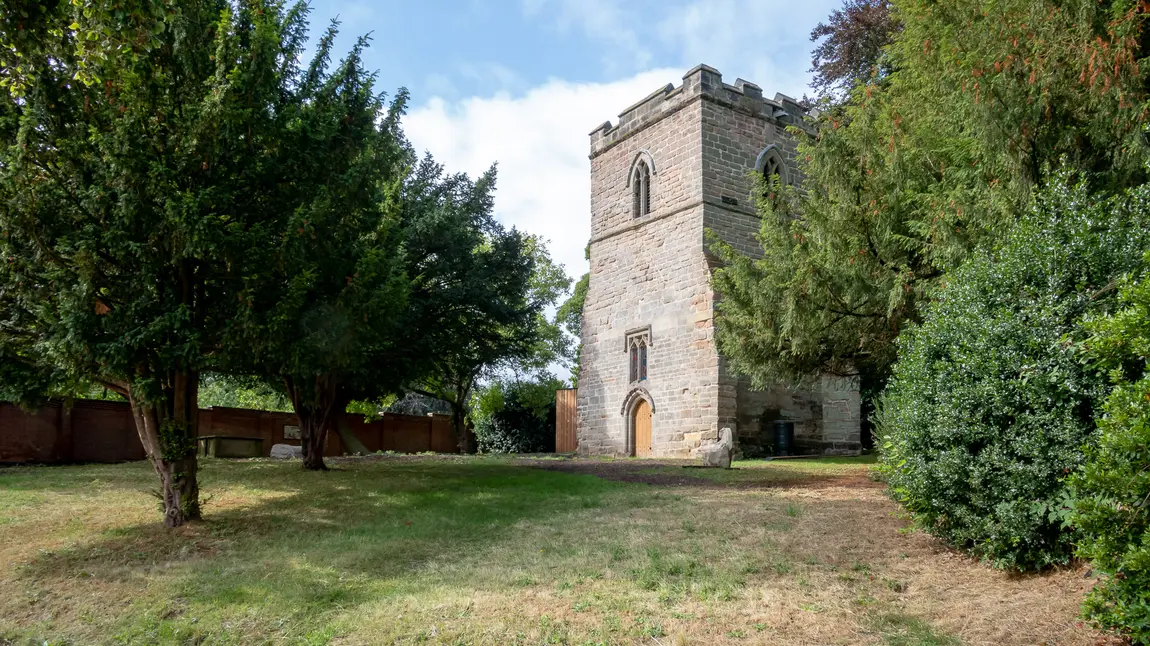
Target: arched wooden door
(642,425)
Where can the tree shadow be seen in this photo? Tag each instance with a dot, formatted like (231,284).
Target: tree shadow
(317,541)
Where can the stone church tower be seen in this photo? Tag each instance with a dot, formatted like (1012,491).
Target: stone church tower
(651,379)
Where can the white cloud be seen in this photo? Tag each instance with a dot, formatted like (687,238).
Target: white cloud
(764,41)
(540,141)
(611,23)
(492,75)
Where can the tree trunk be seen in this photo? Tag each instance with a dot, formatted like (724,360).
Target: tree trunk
(168,429)
(313,436)
(464,436)
(315,405)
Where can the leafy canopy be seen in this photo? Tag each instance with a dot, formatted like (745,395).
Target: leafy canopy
(1111,490)
(990,404)
(923,164)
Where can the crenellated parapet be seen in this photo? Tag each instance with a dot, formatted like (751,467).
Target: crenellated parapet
(702,82)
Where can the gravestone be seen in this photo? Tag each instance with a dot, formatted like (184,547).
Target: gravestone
(287,452)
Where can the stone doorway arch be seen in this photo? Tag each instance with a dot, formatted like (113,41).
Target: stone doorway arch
(638,413)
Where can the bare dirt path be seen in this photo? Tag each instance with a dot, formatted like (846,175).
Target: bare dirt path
(688,473)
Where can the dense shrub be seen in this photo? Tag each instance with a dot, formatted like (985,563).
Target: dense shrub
(1111,512)
(990,405)
(516,417)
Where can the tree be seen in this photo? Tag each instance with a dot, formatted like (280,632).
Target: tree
(570,316)
(516,415)
(238,391)
(852,52)
(499,322)
(144,180)
(924,164)
(991,404)
(326,318)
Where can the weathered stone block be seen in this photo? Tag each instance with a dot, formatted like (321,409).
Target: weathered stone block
(287,452)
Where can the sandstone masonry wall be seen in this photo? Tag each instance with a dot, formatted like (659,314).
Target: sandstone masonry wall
(703,139)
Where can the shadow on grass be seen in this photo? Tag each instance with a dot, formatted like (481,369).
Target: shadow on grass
(285,555)
(307,546)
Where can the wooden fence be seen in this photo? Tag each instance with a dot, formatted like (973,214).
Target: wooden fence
(566,418)
(103,431)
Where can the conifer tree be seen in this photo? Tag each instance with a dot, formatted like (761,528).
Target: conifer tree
(152,151)
(925,163)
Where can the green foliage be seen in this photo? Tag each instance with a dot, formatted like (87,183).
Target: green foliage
(487,400)
(131,210)
(990,405)
(922,165)
(144,218)
(241,392)
(1111,514)
(495,320)
(91,32)
(516,416)
(325,316)
(570,316)
(176,440)
(570,313)
(549,283)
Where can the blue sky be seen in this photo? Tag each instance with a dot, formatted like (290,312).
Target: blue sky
(458,48)
(523,82)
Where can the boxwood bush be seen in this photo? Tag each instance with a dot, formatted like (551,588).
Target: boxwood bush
(1111,512)
(990,405)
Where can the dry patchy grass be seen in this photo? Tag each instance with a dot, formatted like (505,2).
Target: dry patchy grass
(489,551)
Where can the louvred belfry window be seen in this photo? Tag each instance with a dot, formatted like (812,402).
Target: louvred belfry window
(773,173)
(772,168)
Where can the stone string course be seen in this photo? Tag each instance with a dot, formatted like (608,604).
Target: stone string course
(703,138)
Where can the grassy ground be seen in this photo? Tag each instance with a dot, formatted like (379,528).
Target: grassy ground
(490,551)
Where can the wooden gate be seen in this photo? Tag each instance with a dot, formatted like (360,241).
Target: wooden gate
(565,421)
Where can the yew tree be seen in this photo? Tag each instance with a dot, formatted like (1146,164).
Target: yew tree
(481,298)
(145,176)
(940,154)
(327,315)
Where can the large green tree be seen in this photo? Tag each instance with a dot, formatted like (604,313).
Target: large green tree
(147,167)
(570,317)
(498,323)
(924,163)
(326,317)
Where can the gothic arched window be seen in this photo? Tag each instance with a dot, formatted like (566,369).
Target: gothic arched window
(637,343)
(773,168)
(770,164)
(640,189)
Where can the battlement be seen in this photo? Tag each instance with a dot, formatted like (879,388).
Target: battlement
(702,81)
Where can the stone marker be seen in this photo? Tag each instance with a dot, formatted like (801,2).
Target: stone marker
(719,453)
(287,452)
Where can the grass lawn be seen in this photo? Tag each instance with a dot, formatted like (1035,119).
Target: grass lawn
(472,550)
